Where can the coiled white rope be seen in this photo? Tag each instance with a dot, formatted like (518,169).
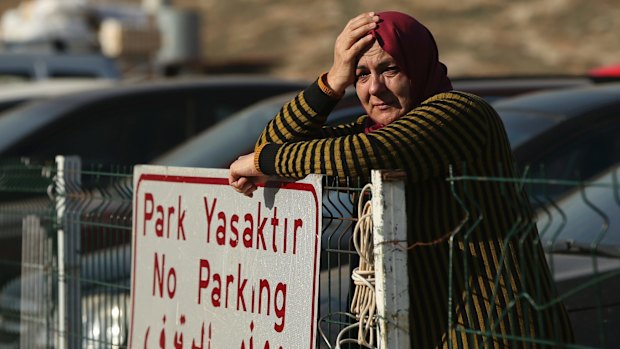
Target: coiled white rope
(363,304)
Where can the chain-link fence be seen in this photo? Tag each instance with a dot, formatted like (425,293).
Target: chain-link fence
(66,236)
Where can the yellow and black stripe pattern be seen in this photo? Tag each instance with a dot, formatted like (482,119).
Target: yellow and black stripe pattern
(495,275)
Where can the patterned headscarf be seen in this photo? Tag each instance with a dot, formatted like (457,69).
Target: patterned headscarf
(413,47)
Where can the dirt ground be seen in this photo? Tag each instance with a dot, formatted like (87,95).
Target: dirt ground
(475,37)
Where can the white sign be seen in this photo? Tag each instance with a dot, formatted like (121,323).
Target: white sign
(215,269)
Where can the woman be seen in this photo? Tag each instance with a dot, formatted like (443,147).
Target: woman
(417,123)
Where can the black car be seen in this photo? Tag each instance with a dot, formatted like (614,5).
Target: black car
(129,123)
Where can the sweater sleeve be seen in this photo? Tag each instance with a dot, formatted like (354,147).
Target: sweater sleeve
(302,118)
(448,128)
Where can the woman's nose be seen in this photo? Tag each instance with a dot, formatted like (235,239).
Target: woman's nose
(377,84)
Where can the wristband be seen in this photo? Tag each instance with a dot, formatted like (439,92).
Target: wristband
(324,86)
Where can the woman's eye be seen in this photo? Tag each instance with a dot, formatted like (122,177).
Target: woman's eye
(362,76)
(391,71)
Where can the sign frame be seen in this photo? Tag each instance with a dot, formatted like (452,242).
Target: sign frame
(147,174)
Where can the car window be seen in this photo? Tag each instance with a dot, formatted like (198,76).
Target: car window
(580,157)
(583,157)
(214,107)
(125,131)
(218,146)
(222,144)
(137,126)
(521,126)
(72,74)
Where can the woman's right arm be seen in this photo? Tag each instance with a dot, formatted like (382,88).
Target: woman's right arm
(301,118)
(304,116)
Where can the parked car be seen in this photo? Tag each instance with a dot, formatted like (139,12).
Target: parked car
(129,123)
(25,66)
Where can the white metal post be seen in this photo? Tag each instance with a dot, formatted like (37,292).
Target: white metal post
(68,180)
(389,216)
(35,291)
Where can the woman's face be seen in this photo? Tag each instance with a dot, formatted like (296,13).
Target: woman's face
(382,87)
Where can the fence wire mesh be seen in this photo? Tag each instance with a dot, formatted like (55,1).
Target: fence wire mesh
(338,257)
(97,231)
(579,228)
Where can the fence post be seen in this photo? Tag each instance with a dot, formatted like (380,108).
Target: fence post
(389,215)
(68,181)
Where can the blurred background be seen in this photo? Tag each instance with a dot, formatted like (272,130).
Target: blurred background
(294,39)
(109,82)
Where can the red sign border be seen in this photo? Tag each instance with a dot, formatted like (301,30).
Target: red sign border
(224,181)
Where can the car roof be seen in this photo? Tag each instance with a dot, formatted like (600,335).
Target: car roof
(48,88)
(493,88)
(129,87)
(39,113)
(567,103)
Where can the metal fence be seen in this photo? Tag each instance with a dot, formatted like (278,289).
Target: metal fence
(578,225)
(68,228)
(65,255)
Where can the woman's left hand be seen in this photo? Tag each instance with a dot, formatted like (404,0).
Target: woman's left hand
(243,176)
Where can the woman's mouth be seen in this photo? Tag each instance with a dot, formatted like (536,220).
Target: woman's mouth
(381,106)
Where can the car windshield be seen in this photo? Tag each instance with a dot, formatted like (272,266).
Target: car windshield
(218,146)
(221,144)
(522,126)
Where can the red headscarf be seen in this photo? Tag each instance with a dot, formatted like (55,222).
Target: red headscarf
(413,47)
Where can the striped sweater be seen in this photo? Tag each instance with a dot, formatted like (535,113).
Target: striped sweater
(498,269)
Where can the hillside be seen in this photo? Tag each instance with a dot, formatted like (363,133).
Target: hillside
(475,37)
